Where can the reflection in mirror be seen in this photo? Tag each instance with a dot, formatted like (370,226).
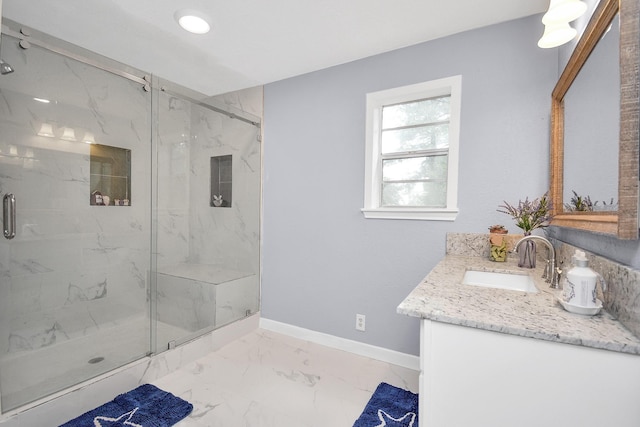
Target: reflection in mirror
(110,180)
(592,129)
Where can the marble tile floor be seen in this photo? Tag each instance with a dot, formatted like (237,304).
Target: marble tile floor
(267,379)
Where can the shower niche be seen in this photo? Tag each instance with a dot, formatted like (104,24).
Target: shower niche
(221,181)
(110,176)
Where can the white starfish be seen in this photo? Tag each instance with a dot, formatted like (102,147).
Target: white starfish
(126,422)
(384,417)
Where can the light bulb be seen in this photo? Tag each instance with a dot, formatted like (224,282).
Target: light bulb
(564,11)
(556,34)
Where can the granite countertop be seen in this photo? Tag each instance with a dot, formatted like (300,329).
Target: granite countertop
(442,297)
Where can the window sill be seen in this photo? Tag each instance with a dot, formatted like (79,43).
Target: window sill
(411,213)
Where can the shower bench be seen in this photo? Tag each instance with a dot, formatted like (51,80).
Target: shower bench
(197,296)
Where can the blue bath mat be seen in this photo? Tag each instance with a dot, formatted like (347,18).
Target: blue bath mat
(145,406)
(390,406)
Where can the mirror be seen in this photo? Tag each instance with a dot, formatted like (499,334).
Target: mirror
(592,129)
(594,121)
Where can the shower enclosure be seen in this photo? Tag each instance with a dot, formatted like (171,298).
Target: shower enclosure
(113,247)
(207,254)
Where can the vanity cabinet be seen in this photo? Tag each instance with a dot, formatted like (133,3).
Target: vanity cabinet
(477,378)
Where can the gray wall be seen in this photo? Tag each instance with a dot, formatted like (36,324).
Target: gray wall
(322,261)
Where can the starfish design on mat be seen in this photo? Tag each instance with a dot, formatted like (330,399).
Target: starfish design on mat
(122,420)
(388,421)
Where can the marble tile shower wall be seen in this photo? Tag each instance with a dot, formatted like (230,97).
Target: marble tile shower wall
(174,172)
(72,268)
(621,298)
(190,230)
(232,239)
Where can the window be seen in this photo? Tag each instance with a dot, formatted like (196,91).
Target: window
(411,169)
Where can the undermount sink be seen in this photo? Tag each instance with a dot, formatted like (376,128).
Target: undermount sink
(490,279)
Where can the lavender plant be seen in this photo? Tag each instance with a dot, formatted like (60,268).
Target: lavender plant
(580,203)
(529,215)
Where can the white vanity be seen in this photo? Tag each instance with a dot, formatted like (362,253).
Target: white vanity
(504,358)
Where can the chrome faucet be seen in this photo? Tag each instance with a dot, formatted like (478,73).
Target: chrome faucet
(551,274)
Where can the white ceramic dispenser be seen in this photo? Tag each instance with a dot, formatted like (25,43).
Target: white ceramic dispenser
(565,282)
(581,284)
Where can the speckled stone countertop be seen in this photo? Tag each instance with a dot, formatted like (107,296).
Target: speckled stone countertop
(442,297)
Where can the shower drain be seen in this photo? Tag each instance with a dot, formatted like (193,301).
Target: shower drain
(96,360)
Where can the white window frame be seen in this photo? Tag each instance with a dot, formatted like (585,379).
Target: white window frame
(373,164)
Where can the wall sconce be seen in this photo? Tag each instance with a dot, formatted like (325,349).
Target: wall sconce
(88,138)
(556,34)
(46,129)
(557,30)
(68,134)
(564,11)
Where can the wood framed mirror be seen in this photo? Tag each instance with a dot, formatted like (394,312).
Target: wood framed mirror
(623,221)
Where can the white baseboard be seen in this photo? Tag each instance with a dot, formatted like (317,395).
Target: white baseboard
(362,349)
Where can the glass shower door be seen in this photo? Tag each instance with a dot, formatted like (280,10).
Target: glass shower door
(75,155)
(208,213)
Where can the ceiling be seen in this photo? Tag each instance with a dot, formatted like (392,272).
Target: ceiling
(254,42)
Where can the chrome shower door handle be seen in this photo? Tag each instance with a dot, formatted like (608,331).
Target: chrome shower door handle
(9,215)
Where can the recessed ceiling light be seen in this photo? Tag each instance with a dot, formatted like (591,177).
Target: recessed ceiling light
(44,101)
(193,21)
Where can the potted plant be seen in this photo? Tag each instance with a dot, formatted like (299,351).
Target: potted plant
(528,215)
(498,244)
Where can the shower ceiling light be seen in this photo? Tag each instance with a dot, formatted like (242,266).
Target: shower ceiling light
(193,21)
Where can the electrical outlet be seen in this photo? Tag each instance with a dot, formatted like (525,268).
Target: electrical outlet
(360,322)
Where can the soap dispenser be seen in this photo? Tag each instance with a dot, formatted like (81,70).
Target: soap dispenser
(580,288)
(565,282)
